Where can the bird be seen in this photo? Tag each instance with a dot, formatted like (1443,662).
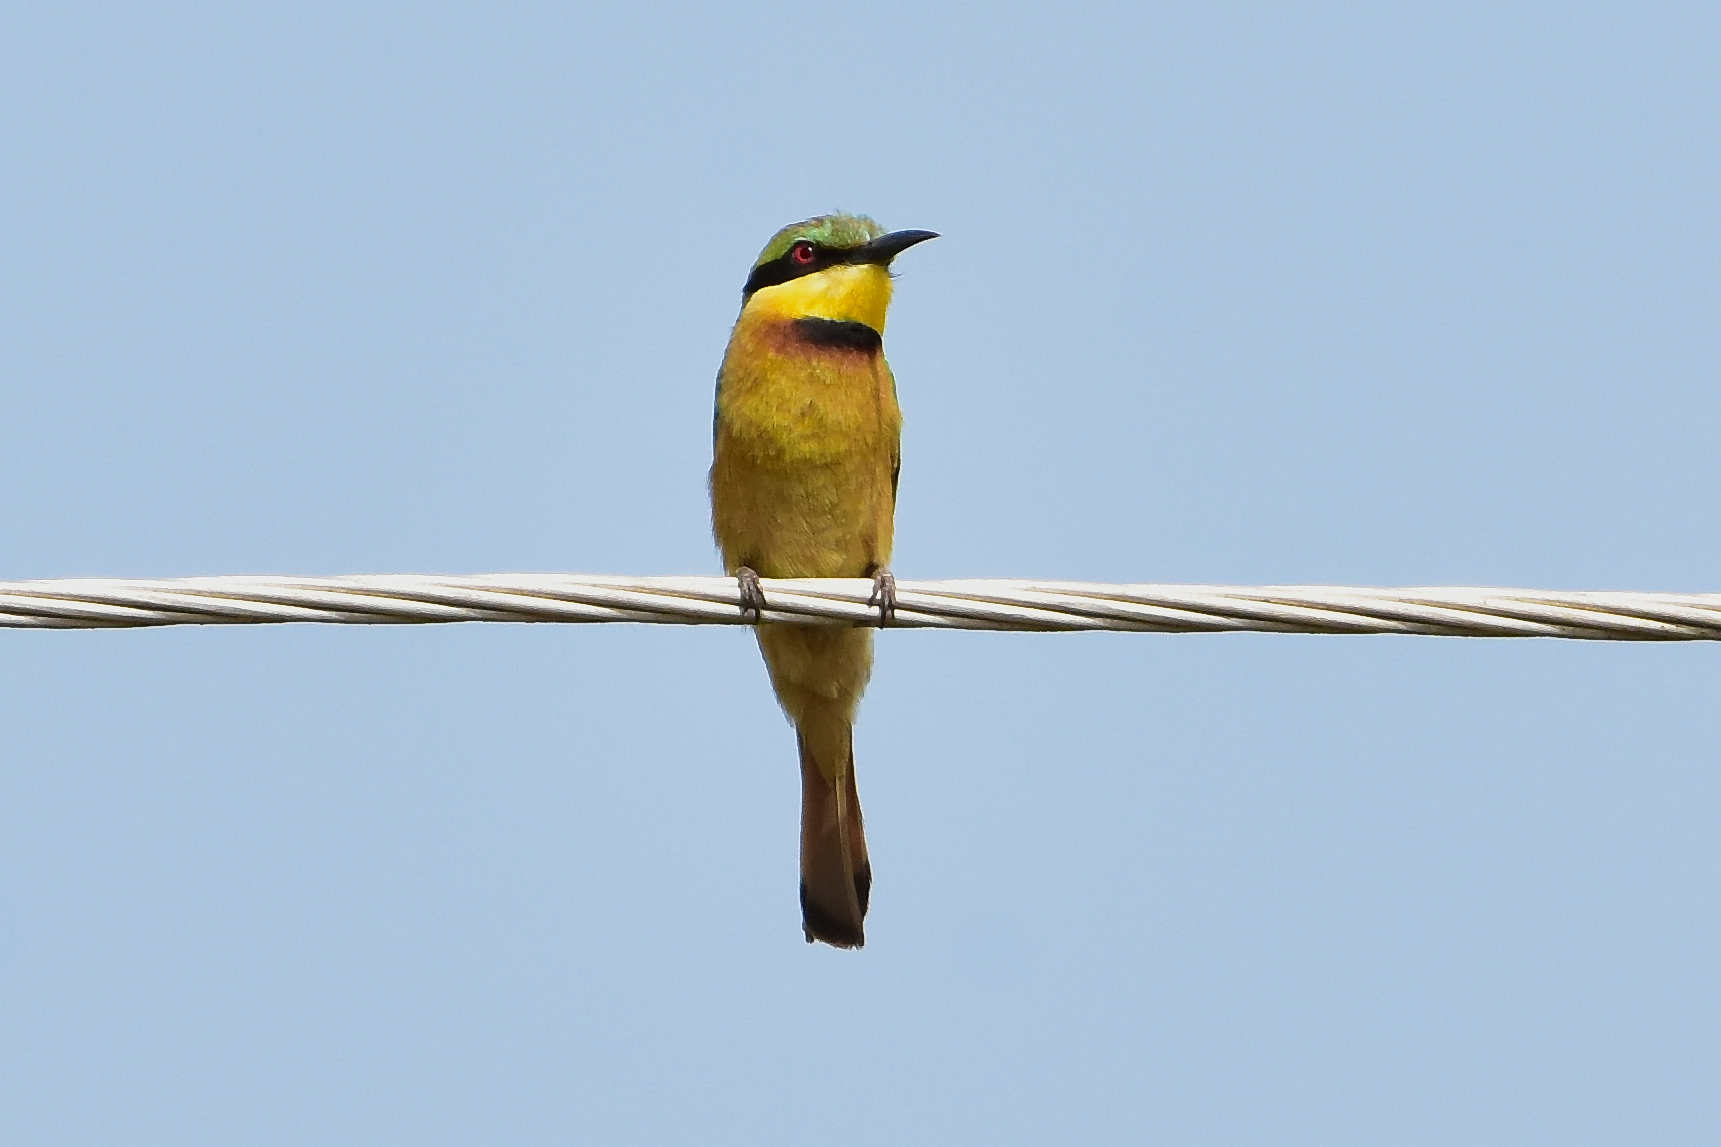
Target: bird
(805,459)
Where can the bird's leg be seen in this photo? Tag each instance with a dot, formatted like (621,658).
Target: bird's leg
(883,595)
(752,594)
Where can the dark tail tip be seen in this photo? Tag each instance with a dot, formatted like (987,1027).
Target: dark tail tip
(863,885)
(836,930)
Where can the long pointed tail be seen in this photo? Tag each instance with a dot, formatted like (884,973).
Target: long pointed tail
(835,874)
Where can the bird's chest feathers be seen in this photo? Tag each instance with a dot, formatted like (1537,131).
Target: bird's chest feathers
(791,399)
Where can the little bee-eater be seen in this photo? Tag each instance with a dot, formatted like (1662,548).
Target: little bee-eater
(803,484)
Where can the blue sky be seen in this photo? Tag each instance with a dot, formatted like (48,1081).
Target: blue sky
(1225,294)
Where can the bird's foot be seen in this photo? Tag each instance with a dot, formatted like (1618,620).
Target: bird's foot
(883,595)
(752,594)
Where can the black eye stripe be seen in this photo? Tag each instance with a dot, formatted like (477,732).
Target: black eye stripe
(784,267)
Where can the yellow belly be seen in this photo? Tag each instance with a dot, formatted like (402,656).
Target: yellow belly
(802,477)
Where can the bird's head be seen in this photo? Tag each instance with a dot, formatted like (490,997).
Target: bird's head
(833,267)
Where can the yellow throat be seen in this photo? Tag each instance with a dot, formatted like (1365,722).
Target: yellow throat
(851,293)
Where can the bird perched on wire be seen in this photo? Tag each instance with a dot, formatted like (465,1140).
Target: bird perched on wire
(803,484)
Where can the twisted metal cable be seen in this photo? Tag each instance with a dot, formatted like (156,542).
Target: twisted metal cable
(1000,604)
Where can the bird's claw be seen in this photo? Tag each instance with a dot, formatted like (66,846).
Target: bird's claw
(752,594)
(884,596)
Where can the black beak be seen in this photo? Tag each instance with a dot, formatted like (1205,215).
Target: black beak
(887,247)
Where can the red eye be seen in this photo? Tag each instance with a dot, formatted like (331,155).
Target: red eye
(802,253)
